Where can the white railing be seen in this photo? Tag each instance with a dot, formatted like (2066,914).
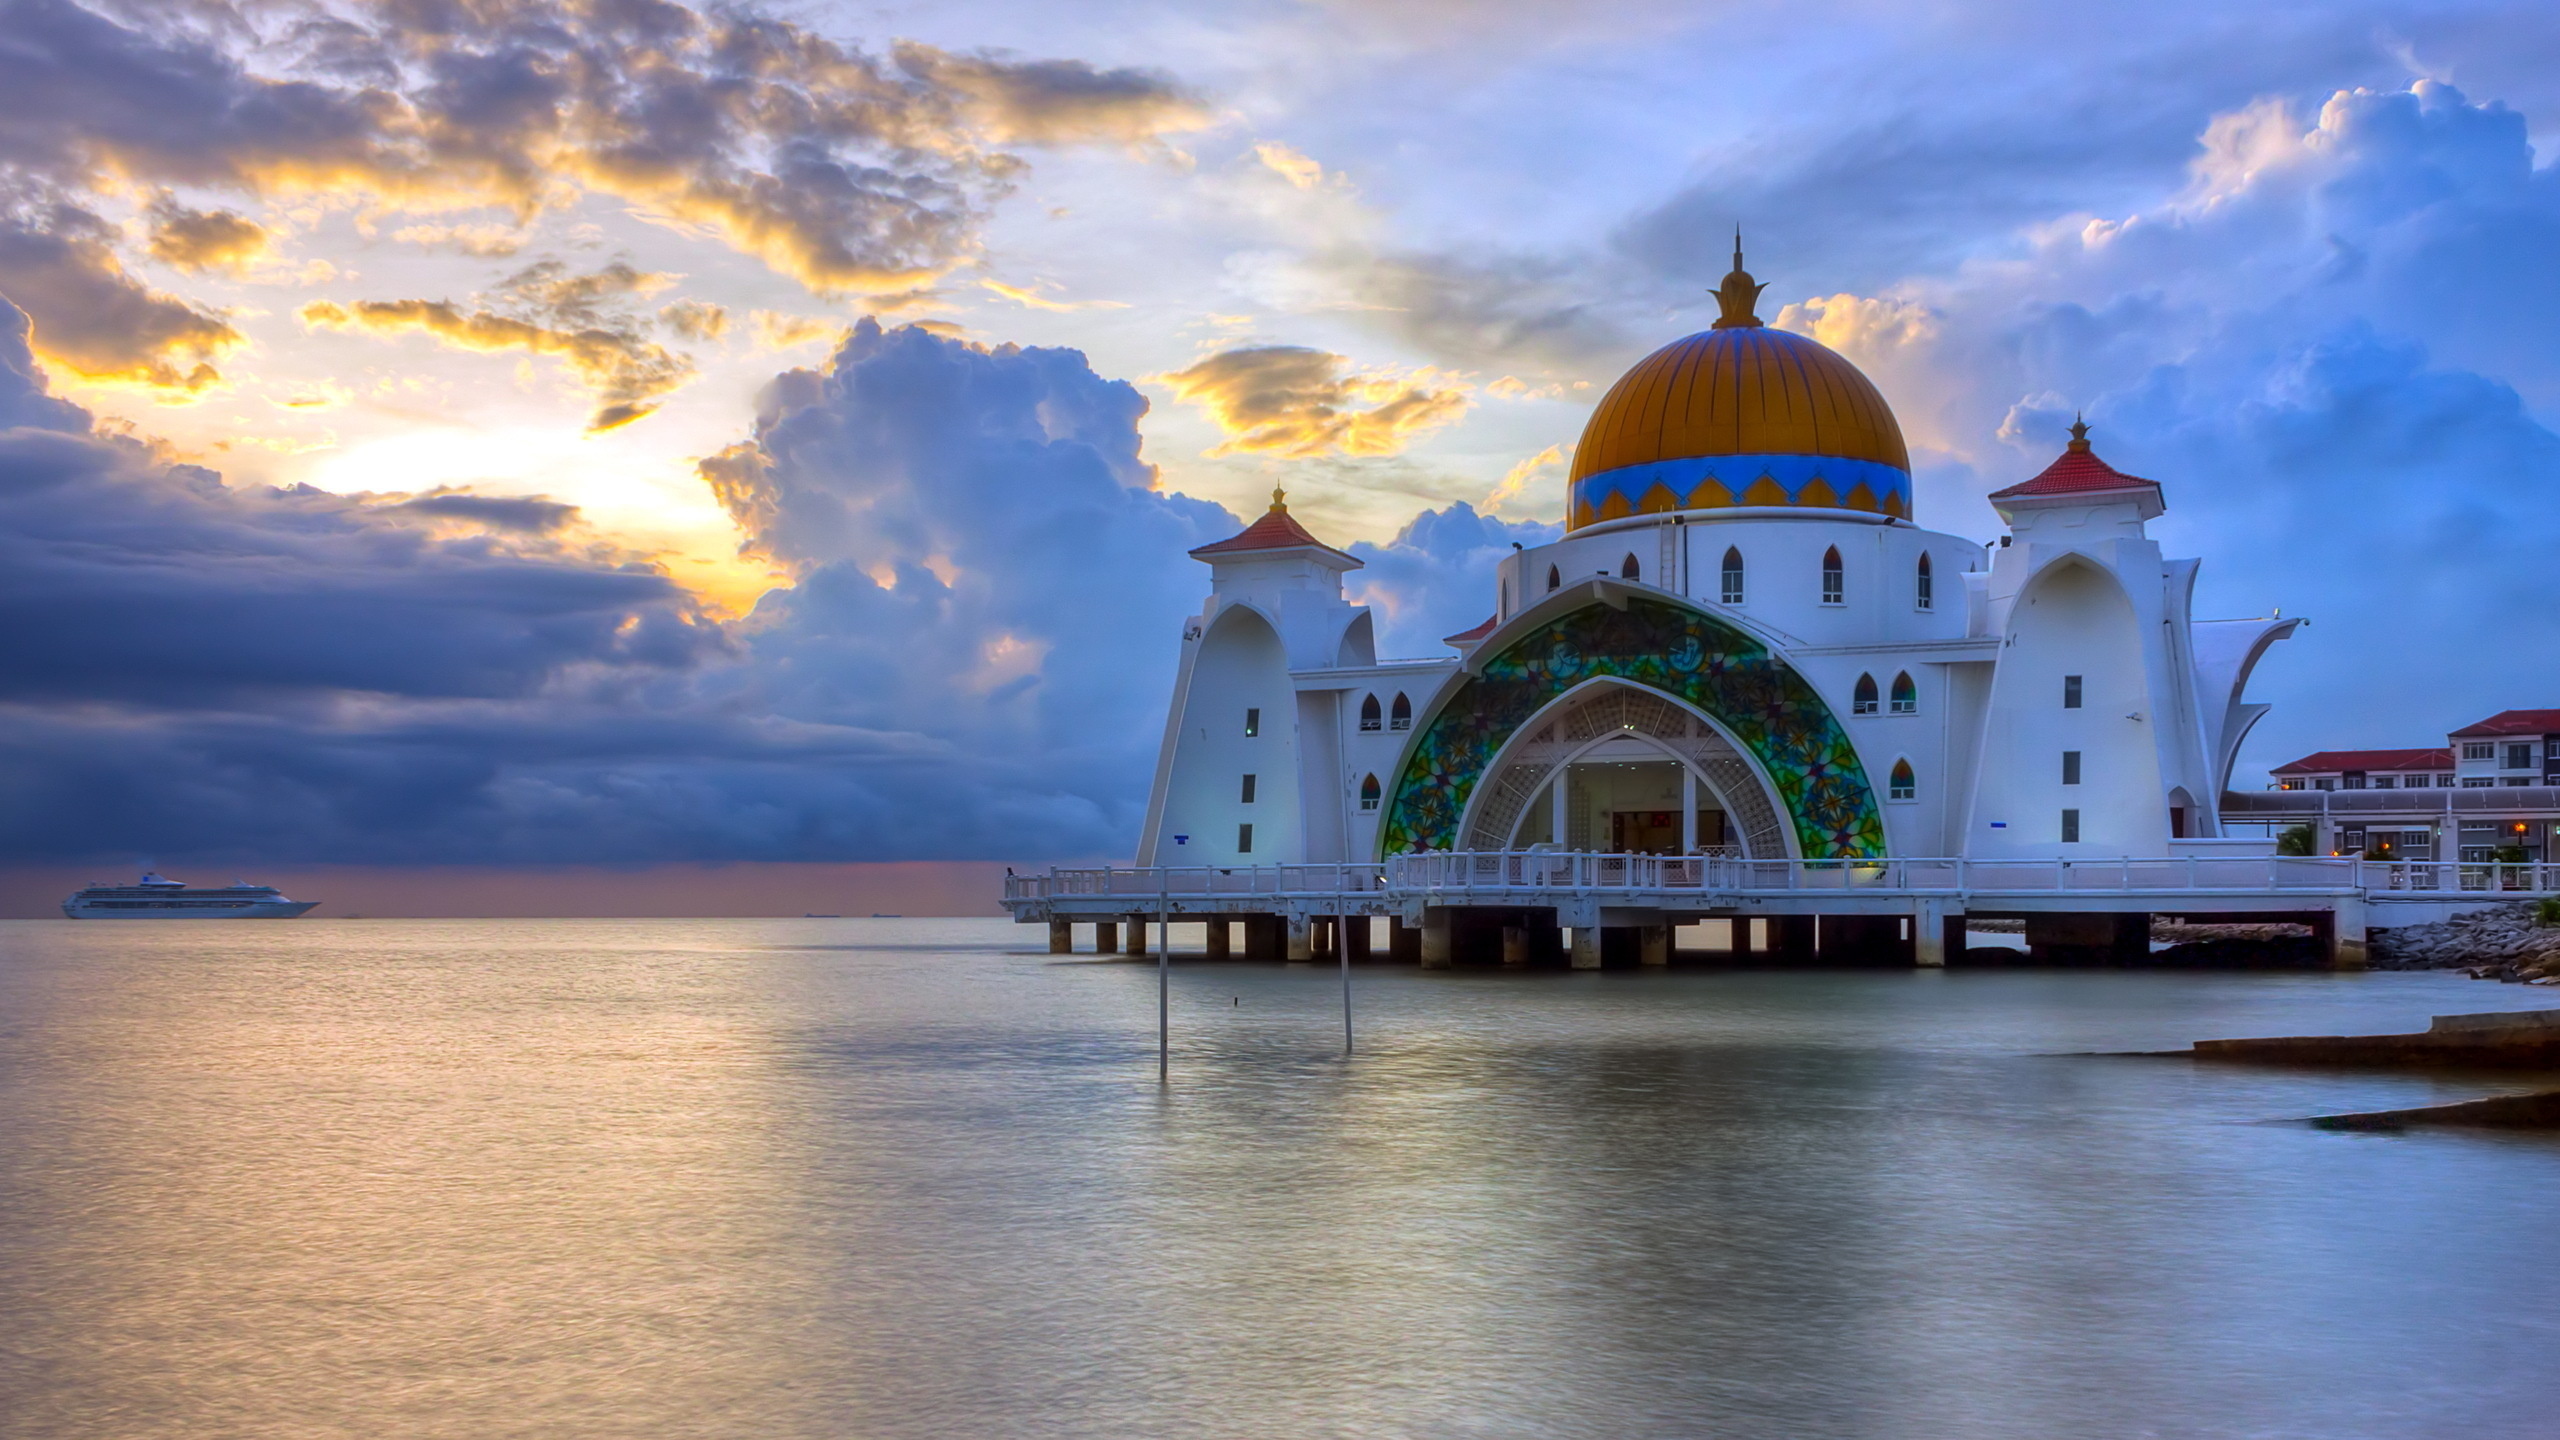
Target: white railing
(1145,883)
(1524,873)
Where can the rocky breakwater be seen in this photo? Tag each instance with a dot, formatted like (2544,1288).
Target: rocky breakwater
(2507,1040)
(2517,942)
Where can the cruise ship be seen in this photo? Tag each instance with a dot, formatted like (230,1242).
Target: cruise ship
(155,897)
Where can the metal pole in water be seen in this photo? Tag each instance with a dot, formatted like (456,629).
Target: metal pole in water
(1164,991)
(1342,943)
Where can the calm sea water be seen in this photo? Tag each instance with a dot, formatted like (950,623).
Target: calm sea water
(886,1178)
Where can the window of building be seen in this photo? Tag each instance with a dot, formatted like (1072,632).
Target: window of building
(2380,782)
(1371,717)
(2520,757)
(1554,577)
(2351,782)
(1863,699)
(1906,696)
(1628,569)
(1923,586)
(2552,748)
(1244,839)
(2478,750)
(2515,780)
(2070,827)
(2070,767)
(1902,784)
(1833,586)
(2325,782)
(2289,785)
(2477,782)
(1732,588)
(1252,723)
(1400,714)
(2070,692)
(2445,781)
(1248,790)
(1369,793)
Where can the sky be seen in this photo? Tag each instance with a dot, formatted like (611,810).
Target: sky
(619,438)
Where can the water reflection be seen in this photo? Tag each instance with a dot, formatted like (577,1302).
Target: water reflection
(887,1178)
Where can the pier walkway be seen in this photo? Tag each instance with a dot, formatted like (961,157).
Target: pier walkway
(1448,908)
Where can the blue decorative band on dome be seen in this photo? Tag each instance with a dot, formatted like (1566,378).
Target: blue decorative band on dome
(1716,482)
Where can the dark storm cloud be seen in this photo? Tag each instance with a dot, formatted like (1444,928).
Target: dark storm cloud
(971,661)
(124,578)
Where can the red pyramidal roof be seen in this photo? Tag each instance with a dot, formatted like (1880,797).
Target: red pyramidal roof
(1469,637)
(1276,530)
(2077,471)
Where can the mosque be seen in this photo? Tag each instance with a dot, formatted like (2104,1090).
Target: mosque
(1744,645)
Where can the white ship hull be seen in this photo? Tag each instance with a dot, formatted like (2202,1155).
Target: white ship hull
(185,908)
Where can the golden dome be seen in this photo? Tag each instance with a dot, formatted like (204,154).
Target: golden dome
(1740,415)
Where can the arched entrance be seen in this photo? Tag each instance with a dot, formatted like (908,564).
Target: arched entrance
(1662,651)
(1621,768)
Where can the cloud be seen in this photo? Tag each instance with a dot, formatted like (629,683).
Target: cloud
(2321,343)
(845,170)
(517,514)
(981,561)
(1057,102)
(1289,165)
(697,320)
(487,241)
(94,319)
(200,240)
(778,331)
(625,371)
(1033,299)
(1436,577)
(126,580)
(1297,403)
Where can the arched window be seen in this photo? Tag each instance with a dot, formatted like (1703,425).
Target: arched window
(1400,715)
(1732,590)
(1369,712)
(1922,586)
(1906,696)
(1369,793)
(1628,569)
(1903,785)
(1832,587)
(1554,579)
(1863,700)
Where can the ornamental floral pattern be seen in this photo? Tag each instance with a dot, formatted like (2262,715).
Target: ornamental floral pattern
(1755,695)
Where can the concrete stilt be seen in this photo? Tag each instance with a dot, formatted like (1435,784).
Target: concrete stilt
(1404,943)
(1219,937)
(1134,941)
(2346,935)
(1062,937)
(1515,945)
(1106,937)
(1302,946)
(1653,943)
(1929,928)
(1586,947)
(1436,947)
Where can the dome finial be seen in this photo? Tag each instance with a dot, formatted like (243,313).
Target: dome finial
(1739,293)
(2079,432)
(1279,501)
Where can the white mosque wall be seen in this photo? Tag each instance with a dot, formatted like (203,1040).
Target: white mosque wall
(1235,714)
(2072,627)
